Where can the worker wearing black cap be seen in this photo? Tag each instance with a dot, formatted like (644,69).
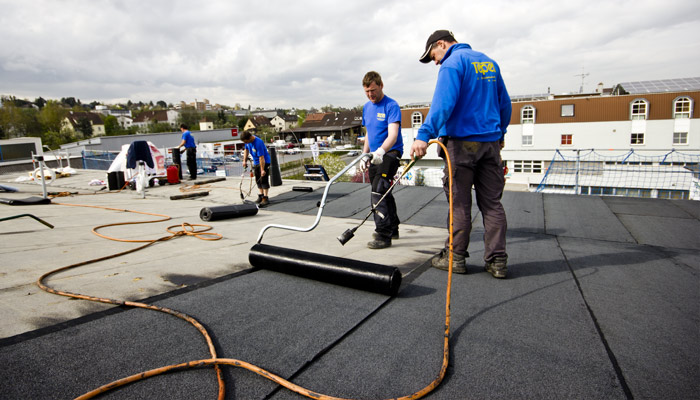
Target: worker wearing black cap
(470,112)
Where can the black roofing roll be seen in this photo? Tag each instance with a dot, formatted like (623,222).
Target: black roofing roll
(227,212)
(361,275)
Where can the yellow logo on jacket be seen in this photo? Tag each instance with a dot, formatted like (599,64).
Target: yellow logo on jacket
(484,67)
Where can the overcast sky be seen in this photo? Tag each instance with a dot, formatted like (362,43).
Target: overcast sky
(284,54)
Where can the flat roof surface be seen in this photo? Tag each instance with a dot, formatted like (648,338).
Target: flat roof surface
(602,298)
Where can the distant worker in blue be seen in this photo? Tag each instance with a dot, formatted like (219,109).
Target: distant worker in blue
(470,112)
(261,164)
(381,117)
(190,150)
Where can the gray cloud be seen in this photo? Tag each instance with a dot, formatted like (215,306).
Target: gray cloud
(313,53)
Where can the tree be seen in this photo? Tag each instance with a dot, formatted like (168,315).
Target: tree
(190,118)
(51,116)
(69,101)
(158,127)
(242,122)
(84,127)
(111,125)
(40,102)
(18,122)
(162,104)
(54,139)
(301,117)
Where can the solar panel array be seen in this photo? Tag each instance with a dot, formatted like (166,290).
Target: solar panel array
(663,85)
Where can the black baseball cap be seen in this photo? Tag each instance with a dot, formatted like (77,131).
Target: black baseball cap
(437,35)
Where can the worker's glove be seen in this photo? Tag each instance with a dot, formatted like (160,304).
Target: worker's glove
(378,156)
(364,164)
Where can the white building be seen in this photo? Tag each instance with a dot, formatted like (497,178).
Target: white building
(646,129)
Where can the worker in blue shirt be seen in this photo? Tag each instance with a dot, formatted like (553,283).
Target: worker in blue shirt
(190,149)
(470,112)
(261,164)
(381,116)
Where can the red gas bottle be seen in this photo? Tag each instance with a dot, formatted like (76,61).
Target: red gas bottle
(173,175)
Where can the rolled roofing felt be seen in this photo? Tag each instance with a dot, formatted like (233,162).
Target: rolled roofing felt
(189,195)
(228,212)
(302,189)
(361,275)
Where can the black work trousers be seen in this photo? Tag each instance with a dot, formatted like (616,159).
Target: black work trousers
(192,161)
(386,219)
(476,164)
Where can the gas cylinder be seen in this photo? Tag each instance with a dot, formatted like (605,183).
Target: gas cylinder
(172,172)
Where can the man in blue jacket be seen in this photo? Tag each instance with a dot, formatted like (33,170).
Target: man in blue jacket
(469,113)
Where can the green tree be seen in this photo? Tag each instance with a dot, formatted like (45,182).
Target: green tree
(40,102)
(301,117)
(51,116)
(17,121)
(190,118)
(158,127)
(54,139)
(84,127)
(111,125)
(162,104)
(241,123)
(69,101)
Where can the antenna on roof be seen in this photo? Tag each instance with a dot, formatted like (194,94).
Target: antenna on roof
(583,76)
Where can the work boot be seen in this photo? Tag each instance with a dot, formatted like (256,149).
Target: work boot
(259,200)
(379,243)
(442,261)
(377,235)
(264,202)
(497,266)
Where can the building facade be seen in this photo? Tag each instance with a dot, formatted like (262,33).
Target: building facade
(602,139)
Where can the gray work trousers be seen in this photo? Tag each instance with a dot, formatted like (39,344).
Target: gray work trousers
(476,164)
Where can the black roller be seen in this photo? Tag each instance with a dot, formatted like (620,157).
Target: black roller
(227,212)
(361,275)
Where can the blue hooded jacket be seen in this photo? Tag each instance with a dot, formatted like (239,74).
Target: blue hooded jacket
(470,101)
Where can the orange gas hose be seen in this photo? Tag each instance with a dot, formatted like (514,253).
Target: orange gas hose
(217,362)
(187,230)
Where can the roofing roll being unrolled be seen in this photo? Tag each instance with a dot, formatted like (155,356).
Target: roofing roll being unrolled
(357,274)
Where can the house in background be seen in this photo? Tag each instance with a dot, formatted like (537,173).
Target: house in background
(257,123)
(206,125)
(345,126)
(159,116)
(72,121)
(620,126)
(284,122)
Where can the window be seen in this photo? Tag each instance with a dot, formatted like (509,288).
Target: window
(639,109)
(682,107)
(567,140)
(527,140)
(527,166)
(637,138)
(680,137)
(416,119)
(527,115)
(567,110)
(674,194)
